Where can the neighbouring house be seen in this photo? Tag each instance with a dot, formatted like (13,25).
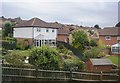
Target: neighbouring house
(115,49)
(97,65)
(63,34)
(37,32)
(110,35)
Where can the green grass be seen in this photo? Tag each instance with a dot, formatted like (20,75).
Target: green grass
(114,59)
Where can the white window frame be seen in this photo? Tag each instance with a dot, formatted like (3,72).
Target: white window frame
(53,30)
(106,37)
(118,38)
(47,30)
(116,50)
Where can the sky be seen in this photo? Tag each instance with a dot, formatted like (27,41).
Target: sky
(78,12)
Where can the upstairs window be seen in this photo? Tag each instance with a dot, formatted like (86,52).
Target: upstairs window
(38,29)
(53,30)
(47,30)
(107,37)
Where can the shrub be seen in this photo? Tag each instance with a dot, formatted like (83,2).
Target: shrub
(74,64)
(94,52)
(45,57)
(14,58)
(9,45)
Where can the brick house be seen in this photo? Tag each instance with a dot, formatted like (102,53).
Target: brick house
(97,65)
(109,35)
(63,34)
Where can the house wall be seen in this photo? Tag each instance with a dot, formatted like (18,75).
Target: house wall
(24,32)
(62,37)
(47,35)
(109,42)
(19,40)
(27,32)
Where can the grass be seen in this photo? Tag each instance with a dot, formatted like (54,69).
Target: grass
(114,59)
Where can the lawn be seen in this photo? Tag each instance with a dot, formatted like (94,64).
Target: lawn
(114,59)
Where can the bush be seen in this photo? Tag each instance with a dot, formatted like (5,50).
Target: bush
(94,52)
(45,57)
(9,45)
(14,58)
(74,64)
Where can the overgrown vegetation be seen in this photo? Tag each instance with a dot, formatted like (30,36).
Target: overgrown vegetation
(80,40)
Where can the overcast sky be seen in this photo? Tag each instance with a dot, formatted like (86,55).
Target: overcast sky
(103,13)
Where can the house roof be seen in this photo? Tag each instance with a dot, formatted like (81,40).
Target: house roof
(101,61)
(109,31)
(36,22)
(64,30)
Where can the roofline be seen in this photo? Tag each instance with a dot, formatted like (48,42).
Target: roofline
(36,26)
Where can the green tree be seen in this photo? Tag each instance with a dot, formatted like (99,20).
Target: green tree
(8,30)
(80,40)
(45,57)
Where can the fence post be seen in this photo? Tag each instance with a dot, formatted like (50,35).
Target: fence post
(70,75)
(101,77)
(36,72)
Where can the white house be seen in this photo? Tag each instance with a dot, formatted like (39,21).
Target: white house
(37,32)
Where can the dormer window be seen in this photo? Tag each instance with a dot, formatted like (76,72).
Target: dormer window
(107,37)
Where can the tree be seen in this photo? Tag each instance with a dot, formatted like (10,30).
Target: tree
(96,26)
(117,25)
(8,30)
(80,40)
(44,57)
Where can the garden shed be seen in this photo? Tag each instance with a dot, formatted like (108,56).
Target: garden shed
(97,65)
(115,49)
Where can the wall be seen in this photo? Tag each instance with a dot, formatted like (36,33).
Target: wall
(62,37)
(23,32)
(22,39)
(90,67)
(47,35)
(109,42)
(102,68)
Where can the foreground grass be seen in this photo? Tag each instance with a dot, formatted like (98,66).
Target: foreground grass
(114,59)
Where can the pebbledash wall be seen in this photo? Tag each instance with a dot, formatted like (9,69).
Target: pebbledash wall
(32,33)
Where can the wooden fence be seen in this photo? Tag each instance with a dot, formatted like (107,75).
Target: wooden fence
(10,74)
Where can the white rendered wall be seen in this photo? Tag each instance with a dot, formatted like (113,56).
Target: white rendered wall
(47,35)
(30,32)
(23,32)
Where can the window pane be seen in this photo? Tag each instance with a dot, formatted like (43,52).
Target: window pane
(47,30)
